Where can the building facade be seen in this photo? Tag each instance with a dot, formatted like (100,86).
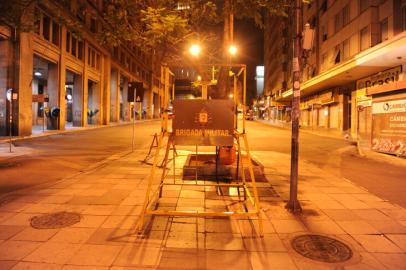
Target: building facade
(354,78)
(62,76)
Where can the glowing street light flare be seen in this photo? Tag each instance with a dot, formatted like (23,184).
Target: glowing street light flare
(194,50)
(232,50)
(199,78)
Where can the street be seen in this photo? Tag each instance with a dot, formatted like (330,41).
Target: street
(56,157)
(59,156)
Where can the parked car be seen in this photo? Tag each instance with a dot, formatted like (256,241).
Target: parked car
(249,115)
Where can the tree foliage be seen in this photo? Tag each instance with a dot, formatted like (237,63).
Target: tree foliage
(14,13)
(164,26)
(161,25)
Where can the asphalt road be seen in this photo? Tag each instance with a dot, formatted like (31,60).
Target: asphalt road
(336,156)
(55,157)
(59,156)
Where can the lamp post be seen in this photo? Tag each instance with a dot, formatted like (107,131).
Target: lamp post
(293,204)
(10,101)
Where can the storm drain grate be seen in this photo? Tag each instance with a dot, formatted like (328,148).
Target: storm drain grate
(55,220)
(322,248)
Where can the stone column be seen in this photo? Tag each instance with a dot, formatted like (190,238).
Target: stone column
(62,80)
(106,78)
(126,104)
(4,83)
(24,76)
(114,88)
(85,84)
(354,114)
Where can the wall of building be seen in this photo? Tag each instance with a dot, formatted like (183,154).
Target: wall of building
(96,68)
(345,31)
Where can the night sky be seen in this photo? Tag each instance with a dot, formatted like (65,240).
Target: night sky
(249,40)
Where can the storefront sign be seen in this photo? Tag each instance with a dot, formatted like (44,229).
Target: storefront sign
(381,78)
(203,122)
(364,103)
(389,127)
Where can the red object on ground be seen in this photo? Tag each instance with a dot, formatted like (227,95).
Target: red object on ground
(227,155)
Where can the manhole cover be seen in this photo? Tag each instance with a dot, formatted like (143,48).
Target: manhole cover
(322,248)
(55,220)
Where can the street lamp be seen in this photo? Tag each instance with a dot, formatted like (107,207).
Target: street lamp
(195,50)
(232,50)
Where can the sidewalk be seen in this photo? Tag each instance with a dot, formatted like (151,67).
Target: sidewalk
(108,197)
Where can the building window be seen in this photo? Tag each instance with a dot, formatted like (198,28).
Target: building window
(338,22)
(363,5)
(80,50)
(94,58)
(74,46)
(346,49)
(384,30)
(55,34)
(73,51)
(337,54)
(46,26)
(346,15)
(68,41)
(364,39)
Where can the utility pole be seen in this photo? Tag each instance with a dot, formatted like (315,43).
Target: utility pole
(134,110)
(293,204)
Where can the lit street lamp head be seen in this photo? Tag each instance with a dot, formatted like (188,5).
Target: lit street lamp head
(194,50)
(232,50)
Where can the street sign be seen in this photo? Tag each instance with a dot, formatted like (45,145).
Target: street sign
(203,122)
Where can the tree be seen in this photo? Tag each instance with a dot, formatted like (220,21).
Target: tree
(159,25)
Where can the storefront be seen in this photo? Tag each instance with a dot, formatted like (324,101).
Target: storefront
(45,95)
(325,110)
(381,103)
(73,99)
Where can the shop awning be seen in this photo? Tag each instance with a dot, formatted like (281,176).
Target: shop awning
(388,54)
